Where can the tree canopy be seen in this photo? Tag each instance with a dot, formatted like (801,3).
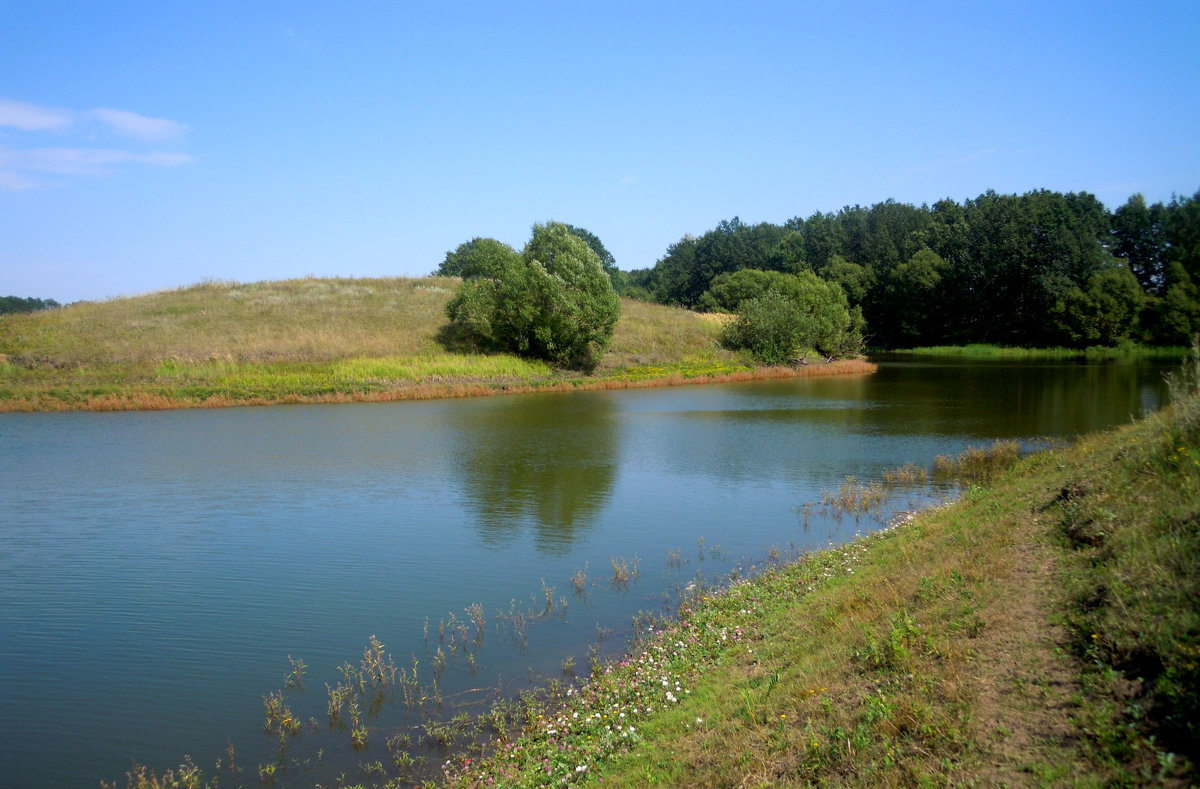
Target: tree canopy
(552,301)
(1041,268)
(27,304)
(780,316)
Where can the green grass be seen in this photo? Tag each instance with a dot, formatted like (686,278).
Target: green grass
(980,351)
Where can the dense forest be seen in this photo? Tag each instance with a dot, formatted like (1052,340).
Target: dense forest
(1039,269)
(19,304)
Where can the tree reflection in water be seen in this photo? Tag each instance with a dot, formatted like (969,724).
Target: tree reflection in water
(541,462)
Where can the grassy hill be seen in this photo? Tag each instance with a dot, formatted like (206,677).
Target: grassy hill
(313,340)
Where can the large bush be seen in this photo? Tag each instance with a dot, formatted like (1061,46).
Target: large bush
(811,314)
(553,301)
(479,257)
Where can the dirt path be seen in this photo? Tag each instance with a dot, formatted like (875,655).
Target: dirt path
(1025,683)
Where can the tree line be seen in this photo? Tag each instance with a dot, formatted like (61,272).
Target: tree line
(1039,269)
(18,304)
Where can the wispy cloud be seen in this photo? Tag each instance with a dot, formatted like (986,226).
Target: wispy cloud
(30,117)
(24,166)
(19,166)
(139,127)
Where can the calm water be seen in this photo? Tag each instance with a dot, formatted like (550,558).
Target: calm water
(157,569)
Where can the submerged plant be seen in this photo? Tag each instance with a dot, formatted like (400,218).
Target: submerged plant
(579,580)
(624,571)
(855,497)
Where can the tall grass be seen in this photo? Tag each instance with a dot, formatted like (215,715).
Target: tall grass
(1125,351)
(1131,522)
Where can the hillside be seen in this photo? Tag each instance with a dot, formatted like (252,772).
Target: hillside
(314,340)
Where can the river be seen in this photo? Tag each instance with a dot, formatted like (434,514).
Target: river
(157,569)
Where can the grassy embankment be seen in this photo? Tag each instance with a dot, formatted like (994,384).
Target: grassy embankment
(319,340)
(1044,630)
(1126,351)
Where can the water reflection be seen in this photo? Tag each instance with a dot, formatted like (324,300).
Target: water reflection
(546,463)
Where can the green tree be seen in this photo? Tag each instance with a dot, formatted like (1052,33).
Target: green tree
(1139,236)
(18,304)
(669,280)
(856,280)
(1177,314)
(479,257)
(777,327)
(729,290)
(553,301)
(606,259)
(1105,312)
(908,310)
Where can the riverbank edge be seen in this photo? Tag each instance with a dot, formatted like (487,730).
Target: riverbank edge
(626,379)
(953,648)
(1128,351)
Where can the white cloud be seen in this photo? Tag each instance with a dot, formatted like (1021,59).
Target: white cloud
(139,127)
(30,117)
(16,165)
(20,166)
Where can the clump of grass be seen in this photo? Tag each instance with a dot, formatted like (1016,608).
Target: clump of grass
(624,571)
(377,667)
(910,474)
(579,580)
(855,497)
(279,720)
(185,776)
(295,677)
(978,464)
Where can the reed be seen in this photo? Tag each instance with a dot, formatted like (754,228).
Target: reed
(978,464)
(855,497)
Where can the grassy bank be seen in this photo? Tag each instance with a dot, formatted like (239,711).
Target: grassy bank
(1044,630)
(1124,351)
(319,340)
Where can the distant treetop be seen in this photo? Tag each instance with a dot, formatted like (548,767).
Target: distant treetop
(17,304)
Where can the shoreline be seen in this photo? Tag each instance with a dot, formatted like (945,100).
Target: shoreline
(153,401)
(914,654)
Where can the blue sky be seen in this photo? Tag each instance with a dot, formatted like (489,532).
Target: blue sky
(149,145)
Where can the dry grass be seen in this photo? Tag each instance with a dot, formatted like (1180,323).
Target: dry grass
(303,320)
(652,334)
